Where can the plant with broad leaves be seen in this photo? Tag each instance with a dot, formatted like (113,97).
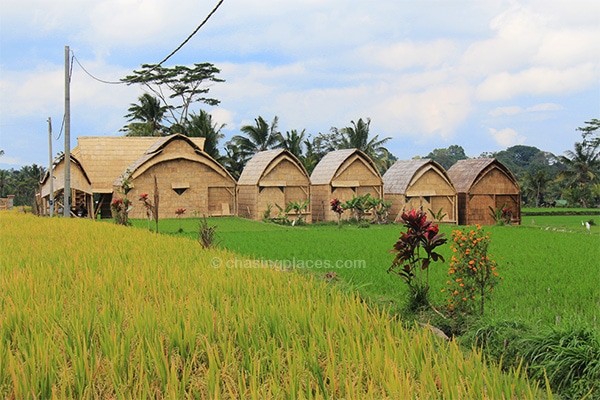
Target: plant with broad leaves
(415,250)
(336,207)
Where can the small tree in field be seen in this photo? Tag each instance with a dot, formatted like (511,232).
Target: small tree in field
(414,253)
(336,207)
(472,273)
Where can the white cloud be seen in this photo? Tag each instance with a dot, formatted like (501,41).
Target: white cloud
(506,137)
(537,81)
(545,107)
(509,110)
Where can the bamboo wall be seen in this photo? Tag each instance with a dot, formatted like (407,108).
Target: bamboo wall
(493,189)
(428,191)
(281,183)
(182,183)
(353,178)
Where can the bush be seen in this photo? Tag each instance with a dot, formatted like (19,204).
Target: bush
(569,358)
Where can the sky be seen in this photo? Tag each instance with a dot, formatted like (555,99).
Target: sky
(482,74)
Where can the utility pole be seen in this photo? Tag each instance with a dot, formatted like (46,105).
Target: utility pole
(67,189)
(50,172)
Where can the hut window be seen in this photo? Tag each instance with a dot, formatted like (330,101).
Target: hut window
(427,199)
(180,187)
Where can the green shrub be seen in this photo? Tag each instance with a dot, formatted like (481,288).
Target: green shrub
(569,358)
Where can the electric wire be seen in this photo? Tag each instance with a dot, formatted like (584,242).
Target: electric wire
(214,10)
(193,33)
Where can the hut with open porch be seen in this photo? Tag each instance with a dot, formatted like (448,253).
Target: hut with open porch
(270,179)
(420,184)
(342,174)
(82,197)
(483,185)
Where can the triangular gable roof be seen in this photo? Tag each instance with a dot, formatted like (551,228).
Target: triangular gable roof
(261,164)
(105,158)
(329,165)
(464,173)
(60,159)
(157,148)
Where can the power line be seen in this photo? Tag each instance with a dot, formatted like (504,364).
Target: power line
(92,76)
(193,33)
(160,63)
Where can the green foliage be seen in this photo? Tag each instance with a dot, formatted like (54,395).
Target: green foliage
(186,84)
(357,136)
(22,183)
(414,253)
(501,215)
(119,208)
(500,340)
(569,358)
(380,209)
(449,156)
(437,216)
(207,234)
(472,273)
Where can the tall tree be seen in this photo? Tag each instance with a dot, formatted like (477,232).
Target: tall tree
(258,137)
(581,171)
(233,160)
(449,156)
(357,136)
(293,141)
(201,125)
(534,185)
(22,183)
(146,117)
(178,87)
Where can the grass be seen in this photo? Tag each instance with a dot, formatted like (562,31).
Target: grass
(549,269)
(93,310)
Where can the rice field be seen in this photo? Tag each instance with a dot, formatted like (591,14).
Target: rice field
(93,310)
(550,269)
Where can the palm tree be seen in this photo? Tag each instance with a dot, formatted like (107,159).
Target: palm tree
(582,170)
(146,117)
(258,137)
(535,184)
(201,125)
(293,142)
(357,137)
(232,160)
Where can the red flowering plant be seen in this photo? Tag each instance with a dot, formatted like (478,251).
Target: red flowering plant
(336,207)
(415,250)
(179,212)
(119,208)
(472,273)
(502,215)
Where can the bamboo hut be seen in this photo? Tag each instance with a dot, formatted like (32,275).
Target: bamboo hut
(82,201)
(420,184)
(481,184)
(272,178)
(186,176)
(342,174)
(106,158)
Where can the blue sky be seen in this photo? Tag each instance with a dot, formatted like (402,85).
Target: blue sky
(482,74)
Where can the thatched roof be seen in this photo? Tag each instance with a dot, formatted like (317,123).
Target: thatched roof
(329,166)
(139,165)
(106,158)
(59,184)
(465,173)
(263,162)
(399,176)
